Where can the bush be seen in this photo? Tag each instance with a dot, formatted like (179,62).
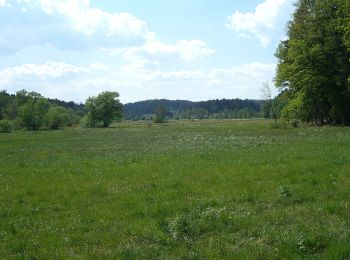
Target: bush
(198,222)
(57,117)
(295,123)
(17,124)
(5,126)
(86,122)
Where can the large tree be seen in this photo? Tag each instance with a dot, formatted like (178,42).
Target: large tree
(105,108)
(314,67)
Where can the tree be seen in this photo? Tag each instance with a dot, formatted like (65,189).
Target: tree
(57,117)
(271,105)
(33,111)
(160,114)
(4,99)
(313,63)
(105,108)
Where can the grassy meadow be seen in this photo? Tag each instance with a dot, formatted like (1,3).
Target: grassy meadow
(185,190)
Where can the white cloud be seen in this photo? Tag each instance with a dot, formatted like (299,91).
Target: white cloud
(67,24)
(187,50)
(258,23)
(47,71)
(92,20)
(75,25)
(2,3)
(245,79)
(137,81)
(176,75)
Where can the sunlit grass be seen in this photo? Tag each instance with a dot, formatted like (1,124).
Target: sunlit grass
(203,189)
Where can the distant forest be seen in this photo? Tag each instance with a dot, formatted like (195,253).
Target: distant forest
(16,106)
(184,109)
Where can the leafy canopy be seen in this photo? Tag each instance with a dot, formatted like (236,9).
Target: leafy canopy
(314,62)
(33,109)
(104,108)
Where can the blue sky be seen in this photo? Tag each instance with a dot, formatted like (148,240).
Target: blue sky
(184,49)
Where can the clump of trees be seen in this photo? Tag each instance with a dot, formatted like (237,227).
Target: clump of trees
(313,72)
(32,111)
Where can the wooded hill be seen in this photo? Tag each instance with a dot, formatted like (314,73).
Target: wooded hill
(184,109)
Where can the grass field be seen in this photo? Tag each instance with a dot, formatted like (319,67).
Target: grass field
(193,190)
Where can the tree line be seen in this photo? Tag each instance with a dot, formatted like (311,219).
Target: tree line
(32,111)
(313,72)
(184,109)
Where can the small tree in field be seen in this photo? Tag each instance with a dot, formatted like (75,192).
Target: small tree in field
(105,108)
(271,103)
(160,114)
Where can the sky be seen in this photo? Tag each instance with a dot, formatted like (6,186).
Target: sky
(184,49)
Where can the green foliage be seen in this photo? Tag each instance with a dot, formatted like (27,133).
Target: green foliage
(57,117)
(85,122)
(293,112)
(160,114)
(6,126)
(32,112)
(183,109)
(271,106)
(8,106)
(314,62)
(3,103)
(103,108)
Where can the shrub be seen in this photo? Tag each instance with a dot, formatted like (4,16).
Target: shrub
(86,122)
(57,117)
(5,126)
(17,124)
(284,192)
(295,123)
(197,222)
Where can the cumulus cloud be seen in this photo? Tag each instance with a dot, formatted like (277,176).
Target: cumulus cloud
(90,21)
(187,50)
(246,80)
(257,24)
(66,24)
(176,75)
(47,70)
(137,82)
(75,25)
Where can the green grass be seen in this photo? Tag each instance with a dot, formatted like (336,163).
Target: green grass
(193,190)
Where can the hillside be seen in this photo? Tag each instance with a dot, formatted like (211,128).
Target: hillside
(184,109)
